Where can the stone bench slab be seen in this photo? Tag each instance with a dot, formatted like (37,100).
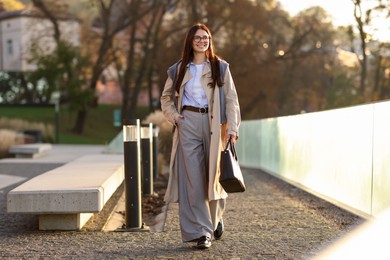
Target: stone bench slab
(78,187)
(29,150)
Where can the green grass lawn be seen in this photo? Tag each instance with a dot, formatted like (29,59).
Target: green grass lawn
(99,127)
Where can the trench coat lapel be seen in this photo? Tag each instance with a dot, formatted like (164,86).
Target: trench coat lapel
(206,76)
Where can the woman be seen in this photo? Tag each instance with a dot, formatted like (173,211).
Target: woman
(192,105)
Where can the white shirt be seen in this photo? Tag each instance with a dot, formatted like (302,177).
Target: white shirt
(194,94)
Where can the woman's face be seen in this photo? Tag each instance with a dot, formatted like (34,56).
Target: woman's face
(201,41)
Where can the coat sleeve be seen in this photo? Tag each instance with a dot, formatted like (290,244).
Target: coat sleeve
(233,113)
(167,102)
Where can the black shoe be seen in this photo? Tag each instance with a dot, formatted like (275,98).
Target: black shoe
(219,231)
(203,242)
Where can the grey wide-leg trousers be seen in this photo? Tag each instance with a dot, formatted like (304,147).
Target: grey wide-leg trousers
(198,216)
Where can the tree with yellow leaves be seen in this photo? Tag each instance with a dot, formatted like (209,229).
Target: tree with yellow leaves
(11,5)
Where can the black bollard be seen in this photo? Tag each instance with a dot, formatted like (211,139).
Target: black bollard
(155,152)
(132,164)
(147,158)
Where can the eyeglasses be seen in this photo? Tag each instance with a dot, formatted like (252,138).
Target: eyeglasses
(197,38)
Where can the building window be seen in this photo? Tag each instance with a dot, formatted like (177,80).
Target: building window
(10,47)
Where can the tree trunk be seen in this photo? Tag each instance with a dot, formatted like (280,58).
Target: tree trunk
(126,89)
(362,34)
(80,122)
(151,67)
(377,78)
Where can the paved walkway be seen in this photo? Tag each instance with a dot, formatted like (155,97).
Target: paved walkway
(271,220)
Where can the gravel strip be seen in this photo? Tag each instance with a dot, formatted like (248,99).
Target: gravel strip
(271,220)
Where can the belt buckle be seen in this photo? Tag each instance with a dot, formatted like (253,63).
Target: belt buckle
(202,110)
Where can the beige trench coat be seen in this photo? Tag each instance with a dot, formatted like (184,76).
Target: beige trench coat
(217,131)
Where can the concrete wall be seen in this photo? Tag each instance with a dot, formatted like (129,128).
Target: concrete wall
(341,155)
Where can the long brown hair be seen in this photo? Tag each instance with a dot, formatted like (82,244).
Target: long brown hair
(188,56)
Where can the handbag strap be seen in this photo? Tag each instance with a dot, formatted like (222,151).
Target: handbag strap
(230,146)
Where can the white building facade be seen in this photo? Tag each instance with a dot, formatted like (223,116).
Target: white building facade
(20,30)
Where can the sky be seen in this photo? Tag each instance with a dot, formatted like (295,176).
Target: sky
(341,11)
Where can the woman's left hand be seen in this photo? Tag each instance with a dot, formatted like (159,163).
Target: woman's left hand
(231,136)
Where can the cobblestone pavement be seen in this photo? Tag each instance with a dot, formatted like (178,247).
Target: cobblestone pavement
(271,220)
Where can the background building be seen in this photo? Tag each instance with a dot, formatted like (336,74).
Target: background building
(20,30)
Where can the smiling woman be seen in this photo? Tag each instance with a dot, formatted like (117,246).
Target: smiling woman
(199,135)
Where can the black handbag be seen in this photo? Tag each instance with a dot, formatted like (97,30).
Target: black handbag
(231,177)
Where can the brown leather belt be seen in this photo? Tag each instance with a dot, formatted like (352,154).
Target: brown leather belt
(201,110)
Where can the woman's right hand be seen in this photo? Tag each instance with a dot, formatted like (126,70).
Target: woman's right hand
(180,117)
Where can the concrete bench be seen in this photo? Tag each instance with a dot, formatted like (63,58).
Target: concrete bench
(65,198)
(29,150)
